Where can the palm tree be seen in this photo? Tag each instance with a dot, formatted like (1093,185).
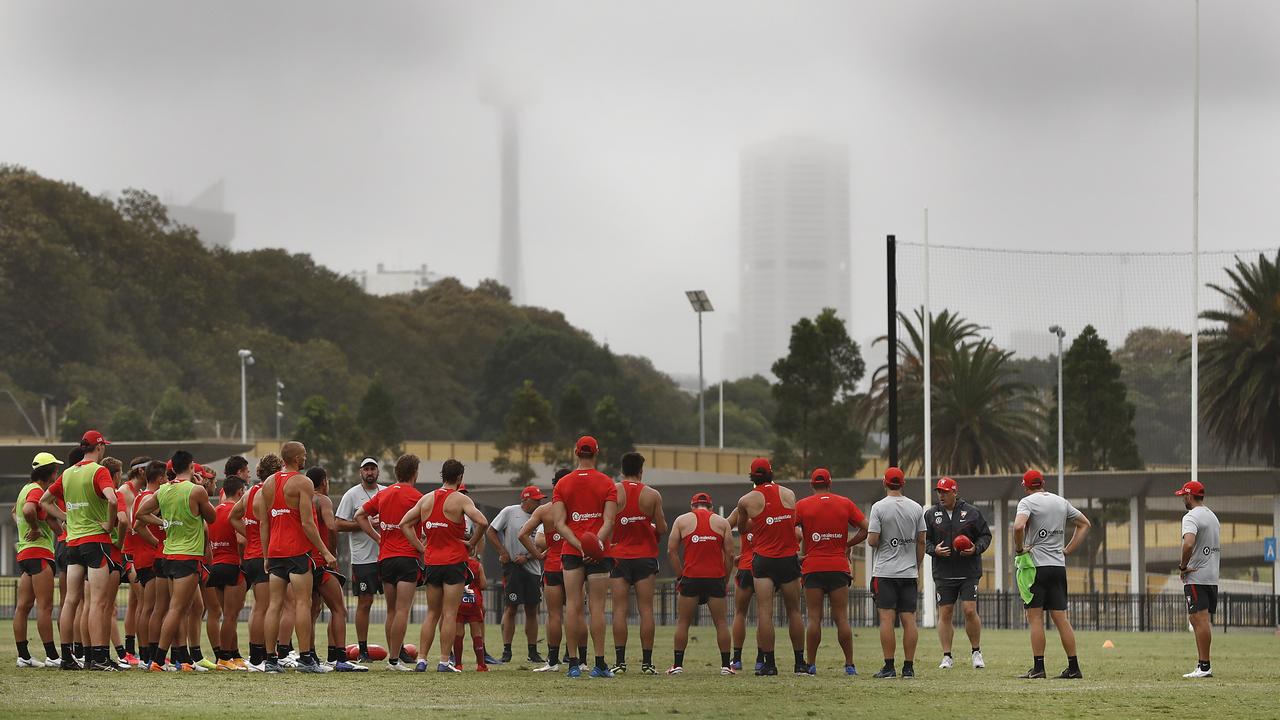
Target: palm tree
(1240,363)
(947,331)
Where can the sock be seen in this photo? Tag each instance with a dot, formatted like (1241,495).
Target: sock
(235,653)
(22,650)
(737,654)
(477,644)
(144,654)
(582,653)
(1203,665)
(157,654)
(180,655)
(908,665)
(333,654)
(620,652)
(66,651)
(553,654)
(769,660)
(77,649)
(364,647)
(196,655)
(888,663)
(946,654)
(679,659)
(759,656)
(533,649)
(571,660)
(51,651)
(283,649)
(646,656)
(800,658)
(457,648)
(600,662)
(218,655)
(271,658)
(1073,663)
(975,649)
(257,653)
(724,659)
(313,657)
(120,652)
(129,645)
(1037,663)
(102,654)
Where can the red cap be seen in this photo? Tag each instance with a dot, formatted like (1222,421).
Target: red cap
(532,493)
(1032,478)
(761,466)
(1191,487)
(203,471)
(893,477)
(947,484)
(700,498)
(168,465)
(820,476)
(93,438)
(586,447)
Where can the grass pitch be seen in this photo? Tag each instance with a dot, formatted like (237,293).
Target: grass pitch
(1139,678)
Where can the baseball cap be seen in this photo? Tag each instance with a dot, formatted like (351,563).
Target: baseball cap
(42,459)
(761,466)
(1032,478)
(1191,487)
(368,461)
(947,484)
(92,438)
(700,498)
(203,471)
(532,493)
(893,477)
(820,476)
(586,446)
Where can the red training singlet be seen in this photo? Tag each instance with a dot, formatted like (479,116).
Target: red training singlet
(826,518)
(287,538)
(744,558)
(584,494)
(444,538)
(633,533)
(775,526)
(144,556)
(389,505)
(222,537)
(703,548)
(252,533)
(555,542)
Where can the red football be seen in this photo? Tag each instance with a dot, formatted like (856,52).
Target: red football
(962,543)
(592,548)
(376,652)
(411,650)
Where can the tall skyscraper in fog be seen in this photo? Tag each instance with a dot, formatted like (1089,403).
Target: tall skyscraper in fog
(794,247)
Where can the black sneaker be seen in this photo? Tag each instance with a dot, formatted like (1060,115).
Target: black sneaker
(1070,674)
(364,659)
(107,666)
(801,669)
(1033,674)
(908,672)
(886,672)
(767,670)
(536,658)
(506,657)
(69,663)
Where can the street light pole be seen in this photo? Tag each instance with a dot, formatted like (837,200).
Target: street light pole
(246,359)
(1062,482)
(698,300)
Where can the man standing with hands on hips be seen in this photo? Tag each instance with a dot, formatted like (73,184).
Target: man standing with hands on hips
(956,535)
(521,572)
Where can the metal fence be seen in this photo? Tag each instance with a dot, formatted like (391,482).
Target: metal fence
(1149,612)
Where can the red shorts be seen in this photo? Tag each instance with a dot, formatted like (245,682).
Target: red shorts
(471,612)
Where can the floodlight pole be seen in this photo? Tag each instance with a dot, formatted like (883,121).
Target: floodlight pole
(1062,483)
(930,608)
(702,405)
(246,359)
(1195,267)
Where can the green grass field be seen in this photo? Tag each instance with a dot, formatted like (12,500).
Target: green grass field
(1139,678)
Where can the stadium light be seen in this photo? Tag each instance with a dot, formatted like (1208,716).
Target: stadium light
(701,304)
(246,359)
(1062,483)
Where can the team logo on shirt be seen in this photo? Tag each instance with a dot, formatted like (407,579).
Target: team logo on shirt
(937,519)
(581,516)
(963,513)
(750,537)
(628,520)
(1043,533)
(277,512)
(77,505)
(431,525)
(387,526)
(556,537)
(819,537)
(776,519)
(702,538)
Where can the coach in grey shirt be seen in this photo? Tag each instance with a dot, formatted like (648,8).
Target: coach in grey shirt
(365,580)
(1198,566)
(895,528)
(521,572)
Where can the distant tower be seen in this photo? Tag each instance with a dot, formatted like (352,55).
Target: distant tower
(507,100)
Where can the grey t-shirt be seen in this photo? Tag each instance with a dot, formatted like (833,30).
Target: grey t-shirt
(899,520)
(1202,568)
(363,549)
(1047,517)
(507,525)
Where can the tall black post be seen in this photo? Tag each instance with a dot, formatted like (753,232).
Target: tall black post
(891,256)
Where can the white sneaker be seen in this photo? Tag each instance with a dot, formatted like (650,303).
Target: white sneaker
(978,662)
(289,661)
(946,663)
(51,663)
(401,666)
(30,663)
(326,666)
(260,667)
(726,670)
(199,668)
(548,668)
(675,670)
(584,668)
(1198,673)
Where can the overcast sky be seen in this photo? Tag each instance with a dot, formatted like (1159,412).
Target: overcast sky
(354,131)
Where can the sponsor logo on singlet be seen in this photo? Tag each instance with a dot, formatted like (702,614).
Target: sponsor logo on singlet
(776,519)
(277,512)
(77,505)
(818,537)
(431,525)
(215,544)
(624,520)
(386,526)
(702,538)
(581,516)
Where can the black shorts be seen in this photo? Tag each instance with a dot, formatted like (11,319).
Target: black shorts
(1049,588)
(255,571)
(224,575)
(283,567)
(60,556)
(440,575)
(702,588)
(827,580)
(35,566)
(400,569)
(744,580)
(780,570)
(633,570)
(553,578)
(901,594)
(576,562)
(951,590)
(1200,598)
(144,575)
(92,555)
(322,574)
(367,579)
(175,569)
(519,586)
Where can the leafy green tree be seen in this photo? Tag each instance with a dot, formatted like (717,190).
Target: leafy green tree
(816,396)
(573,420)
(376,419)
(128,424)
(328,435)
(1098,414)
(172,419)
(1158,377)
(613,432)
(528,423)
(1240,362)
(75,420)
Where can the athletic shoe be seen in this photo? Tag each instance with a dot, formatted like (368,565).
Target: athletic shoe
(325,666)
(1070,674)
(850,670)
(131,659)
(767,670)
(490,660)
(812,670)
(401,666)
(801,669)
(447,667)
(620,668)
(575,671)
(978,662)
(648,669)
(506,657)
(271,666)
(188,667)
(676,670)
(548,667)
(728,670)
(482,667)
(69,664)
(170,667)
(155,667)
(364,658)
(759,667)
(599,672)
(57,662)
(240,663)
(289,661)
(886,672)
(79,661)
(420,666)
(29,663)
(908,672)
(735,665)
(308,665)
(534,658)
(225,665)
(207,664)
(946,663)
(1199,673)
(201,667)
(260,667)
(583,667)
(1033,674)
